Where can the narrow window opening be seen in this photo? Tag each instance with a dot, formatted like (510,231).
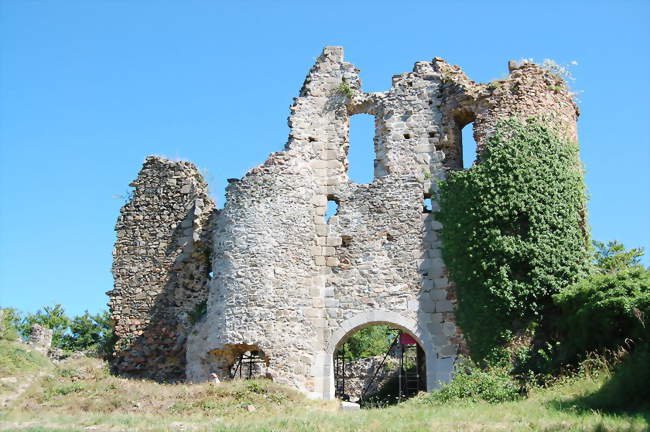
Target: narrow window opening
(463,140)
(361,153)
(432,134)
(427,206)
(468,145)
(346,241)
(332,207)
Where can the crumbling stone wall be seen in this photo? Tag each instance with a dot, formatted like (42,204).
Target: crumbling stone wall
(291,283)
(161,267)
(370,375)
(40,338)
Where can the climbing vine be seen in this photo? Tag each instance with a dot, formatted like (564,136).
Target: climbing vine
(513,231)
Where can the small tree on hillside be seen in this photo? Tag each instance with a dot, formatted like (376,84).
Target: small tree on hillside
(89,332)
(612,257)
(52,317)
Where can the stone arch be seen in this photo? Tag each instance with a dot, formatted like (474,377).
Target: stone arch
(370,318)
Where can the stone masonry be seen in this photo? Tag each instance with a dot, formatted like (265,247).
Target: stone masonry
(277,275)
(161,268)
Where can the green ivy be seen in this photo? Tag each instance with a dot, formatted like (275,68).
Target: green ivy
(513,231)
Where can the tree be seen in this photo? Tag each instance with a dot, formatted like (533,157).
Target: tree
(9,323)
(612,257)
(88,332)
(52,317)
(369,342)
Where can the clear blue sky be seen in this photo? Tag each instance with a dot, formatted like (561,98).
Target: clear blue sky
(89,88)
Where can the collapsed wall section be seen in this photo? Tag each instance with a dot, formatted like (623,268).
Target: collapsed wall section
(161,265)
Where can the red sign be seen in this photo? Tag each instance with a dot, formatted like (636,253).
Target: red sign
(407,339)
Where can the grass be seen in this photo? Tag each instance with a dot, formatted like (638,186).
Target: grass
(18,359)
(18,363)
(81,395)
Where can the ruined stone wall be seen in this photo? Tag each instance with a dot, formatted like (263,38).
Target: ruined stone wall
(529,92)
(287,280)
(160,267)
(369,374)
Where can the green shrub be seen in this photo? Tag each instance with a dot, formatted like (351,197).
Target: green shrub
(9,321)
(473,384)
(629,386)
(89,332)
(199,311)
(605,311)
(16,359)
(514,231)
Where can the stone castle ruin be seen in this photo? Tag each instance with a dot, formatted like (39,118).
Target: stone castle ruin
(196,287)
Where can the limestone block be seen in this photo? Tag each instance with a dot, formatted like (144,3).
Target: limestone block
(427,284)
(334,241)
(438,295)
(332,261)
(444,306)
(427,305)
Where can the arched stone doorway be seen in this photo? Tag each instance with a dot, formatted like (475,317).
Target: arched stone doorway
(407,325)
(378,365)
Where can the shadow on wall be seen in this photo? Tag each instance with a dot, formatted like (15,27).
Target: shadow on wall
(159,352)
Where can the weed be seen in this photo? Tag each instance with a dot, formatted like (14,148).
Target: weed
(344,89)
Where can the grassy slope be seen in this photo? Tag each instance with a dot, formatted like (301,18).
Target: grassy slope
(19,364)
(18,359)
(82,395)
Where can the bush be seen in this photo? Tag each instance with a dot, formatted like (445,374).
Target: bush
(17,359)
(514,231)
(629,386)
(85,332)
(9,321)
(90,332)
(473,384)
(605,311)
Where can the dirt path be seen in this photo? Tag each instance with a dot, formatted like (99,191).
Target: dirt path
(20,385)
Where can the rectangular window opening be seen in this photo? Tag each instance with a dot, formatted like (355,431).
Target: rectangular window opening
(468,145)
(427,206)
(332,207)
(361,154)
